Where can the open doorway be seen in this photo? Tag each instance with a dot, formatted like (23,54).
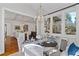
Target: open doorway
(17,27)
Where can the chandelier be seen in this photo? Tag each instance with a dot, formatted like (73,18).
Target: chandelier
(40,21)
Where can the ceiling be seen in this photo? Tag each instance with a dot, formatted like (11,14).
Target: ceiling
(17,17)
(32,9)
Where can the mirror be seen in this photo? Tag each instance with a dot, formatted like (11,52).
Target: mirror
(70,23)
(56,24)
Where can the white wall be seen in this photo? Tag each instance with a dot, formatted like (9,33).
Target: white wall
(77,27)
(1,32)
(11,26)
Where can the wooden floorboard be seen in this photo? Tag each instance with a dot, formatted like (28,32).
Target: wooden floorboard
(11,46)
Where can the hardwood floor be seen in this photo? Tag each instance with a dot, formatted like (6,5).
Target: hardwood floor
(11,46)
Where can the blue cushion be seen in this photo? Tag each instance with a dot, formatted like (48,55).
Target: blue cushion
(72,49)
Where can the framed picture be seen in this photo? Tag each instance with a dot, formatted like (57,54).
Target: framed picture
(25,28)
(17,27)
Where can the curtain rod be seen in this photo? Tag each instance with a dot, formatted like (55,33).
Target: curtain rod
(62,9)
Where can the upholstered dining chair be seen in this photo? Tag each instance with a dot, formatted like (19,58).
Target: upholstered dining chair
(62,48)
(63,45)
(32,50)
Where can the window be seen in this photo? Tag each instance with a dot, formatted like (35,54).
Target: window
(47,25)
(56,24)
(70,23)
